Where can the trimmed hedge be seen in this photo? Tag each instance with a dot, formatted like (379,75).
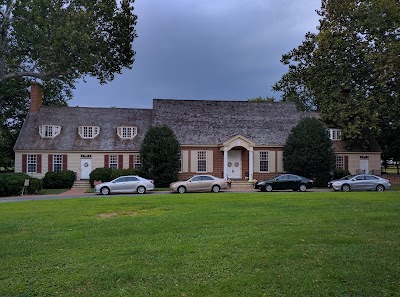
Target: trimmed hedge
(11,184)
(339,173)
(59,180)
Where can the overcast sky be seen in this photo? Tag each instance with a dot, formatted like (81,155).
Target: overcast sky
(208,49)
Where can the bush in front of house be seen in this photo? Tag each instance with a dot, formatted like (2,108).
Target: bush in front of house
(100,174)
(160,154)
(11,184)
(122,172)
(339,173)
(59,180)
(308,152)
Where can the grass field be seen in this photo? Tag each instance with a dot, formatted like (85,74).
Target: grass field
(225,244)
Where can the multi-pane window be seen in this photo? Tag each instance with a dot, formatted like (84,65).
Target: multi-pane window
(335,134)
(31,163)
(127,132)
(57,163)
(263,161)
(113,163)
(339,162)
(88,131)
(49,131)
(137,162)
(202,161)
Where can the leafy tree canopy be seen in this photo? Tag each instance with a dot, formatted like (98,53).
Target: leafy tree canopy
(160,155)
(65,39)
(308,151)
(348,71)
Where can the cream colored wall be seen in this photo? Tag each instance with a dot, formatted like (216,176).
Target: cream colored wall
(374,162)
(74,161)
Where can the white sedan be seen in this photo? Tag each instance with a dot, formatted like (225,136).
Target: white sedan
(125,184)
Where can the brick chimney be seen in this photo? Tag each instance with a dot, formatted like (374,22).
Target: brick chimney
(35,96)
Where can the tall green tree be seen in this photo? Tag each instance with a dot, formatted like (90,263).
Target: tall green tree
(65,39)
(308,151)
(160,153)
(348,71)
(16,105)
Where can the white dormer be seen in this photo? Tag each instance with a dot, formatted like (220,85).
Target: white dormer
(49,131)
(335,134)
(88,132)
(127,132)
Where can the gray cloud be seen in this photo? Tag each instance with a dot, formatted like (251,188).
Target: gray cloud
(210,49)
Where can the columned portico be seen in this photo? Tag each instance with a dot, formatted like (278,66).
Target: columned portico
(233,158)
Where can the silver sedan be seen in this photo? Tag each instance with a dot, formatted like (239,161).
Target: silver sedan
(361,182)
(125,184)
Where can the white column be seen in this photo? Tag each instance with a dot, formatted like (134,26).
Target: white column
(251,163)
(225,163)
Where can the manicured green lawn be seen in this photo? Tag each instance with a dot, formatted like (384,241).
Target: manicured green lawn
(225,244)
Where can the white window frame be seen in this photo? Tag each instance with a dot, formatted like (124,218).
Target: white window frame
(57,163)
(31,163)
(137,162)
(339,162)
(113,162)
(88,132)
(127,132)
(335,134)
(49,131)
(264,161)
(201,161)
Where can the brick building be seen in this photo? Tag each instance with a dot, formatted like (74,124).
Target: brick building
(231,139)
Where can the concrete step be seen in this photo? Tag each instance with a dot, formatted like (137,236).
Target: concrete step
(81,184)
(241,184)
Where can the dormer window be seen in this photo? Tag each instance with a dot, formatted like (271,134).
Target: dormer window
(88,132)
(49,131)
(335,134)
(125,132)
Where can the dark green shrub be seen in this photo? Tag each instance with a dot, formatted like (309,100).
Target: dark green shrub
(339,173)
(11,184)
(35,185)
(101,173)
(308,151)
(59,180)
(121,172)
(160,156)
(322,179)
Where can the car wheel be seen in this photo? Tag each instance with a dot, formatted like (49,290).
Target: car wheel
(268,188)
(215,188)
(141,190)
(105,191)
(303,188)
(380,188)
(181,190)
(345,188)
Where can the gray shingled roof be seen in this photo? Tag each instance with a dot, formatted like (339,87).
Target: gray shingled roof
(70,118)
(206,122)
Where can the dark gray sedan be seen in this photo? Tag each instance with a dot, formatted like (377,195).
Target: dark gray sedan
(366,182)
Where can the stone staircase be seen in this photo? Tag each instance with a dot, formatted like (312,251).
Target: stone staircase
(81,184)
(241,184)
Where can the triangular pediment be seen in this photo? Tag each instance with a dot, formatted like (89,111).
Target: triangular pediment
(238,141)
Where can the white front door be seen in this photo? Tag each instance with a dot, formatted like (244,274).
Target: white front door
(363,166)
(86,168)
(234,164)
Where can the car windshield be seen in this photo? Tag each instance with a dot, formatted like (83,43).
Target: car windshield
(347,177)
